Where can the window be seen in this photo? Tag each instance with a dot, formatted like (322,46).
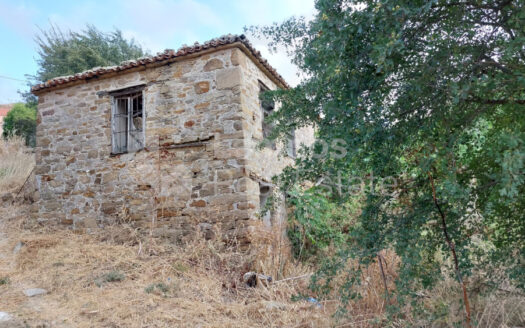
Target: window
(265,191)
(290,145)
(267,108)
(127,122)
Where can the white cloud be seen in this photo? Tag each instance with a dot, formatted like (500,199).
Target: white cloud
(158,22)
(73,18)
(8,91)
(268,12)
(300,8)
(168,24)
(279,59)
(145,41)
(19,18)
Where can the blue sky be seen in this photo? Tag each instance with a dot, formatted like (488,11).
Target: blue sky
(155,24)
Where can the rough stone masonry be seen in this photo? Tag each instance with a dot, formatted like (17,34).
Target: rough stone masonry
(167,143)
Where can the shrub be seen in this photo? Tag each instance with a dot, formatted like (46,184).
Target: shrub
(21,121)
(113,276)
(317,223)
(158,288)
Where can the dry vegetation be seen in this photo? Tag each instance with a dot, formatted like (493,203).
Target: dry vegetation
(103,281)
(16,162)
(119,278)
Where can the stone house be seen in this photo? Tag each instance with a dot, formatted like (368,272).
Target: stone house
(168,143)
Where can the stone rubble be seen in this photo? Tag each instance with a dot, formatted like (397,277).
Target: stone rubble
(31,292)
(4,316)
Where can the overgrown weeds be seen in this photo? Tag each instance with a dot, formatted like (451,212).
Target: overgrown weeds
(119,277)
(113,276)
(160,288)
(145,282)
(16,163)
(202,280)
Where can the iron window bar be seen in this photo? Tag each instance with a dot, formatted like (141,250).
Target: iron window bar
(127,130)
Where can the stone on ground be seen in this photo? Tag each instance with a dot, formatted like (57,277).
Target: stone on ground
(34,292)
(4,316)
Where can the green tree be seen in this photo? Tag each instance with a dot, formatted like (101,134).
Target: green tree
(433,94)
(66,53)
(30,99)
(21,121)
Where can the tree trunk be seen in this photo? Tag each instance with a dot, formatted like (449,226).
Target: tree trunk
(452,248)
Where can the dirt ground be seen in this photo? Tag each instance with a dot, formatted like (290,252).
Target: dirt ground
(114,278)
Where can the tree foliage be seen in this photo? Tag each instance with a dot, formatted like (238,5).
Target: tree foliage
(317,223)
(21,121)
(66,53)
(433,94)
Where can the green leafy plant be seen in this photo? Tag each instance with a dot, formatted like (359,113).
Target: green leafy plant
(63,53)
(316,222)
(66,53)
(431,94)
(159,288)
(21,121)
(113,276)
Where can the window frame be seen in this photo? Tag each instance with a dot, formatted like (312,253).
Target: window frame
(291,142)
(291,145)
(266,214)
(128,94)
(264,113)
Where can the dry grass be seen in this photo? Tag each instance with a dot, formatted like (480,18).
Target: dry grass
(98,281)
(501,311)
(16,162)
(120,278)
(490,309)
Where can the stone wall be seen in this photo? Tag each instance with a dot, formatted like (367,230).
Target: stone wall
(199,168)
(263,163)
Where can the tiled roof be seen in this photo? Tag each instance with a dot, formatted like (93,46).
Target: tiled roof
(166,56)
(5,108)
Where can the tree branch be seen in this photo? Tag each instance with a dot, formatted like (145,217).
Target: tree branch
(491,62)
(497,101)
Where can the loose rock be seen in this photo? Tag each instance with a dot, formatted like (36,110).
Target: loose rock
(18,247)
(7,198)
(34,292)
(251,279)
(271,305)
(4,316)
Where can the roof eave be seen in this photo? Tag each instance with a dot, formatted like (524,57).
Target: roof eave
(261,63)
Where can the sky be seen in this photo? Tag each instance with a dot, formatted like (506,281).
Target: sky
(154,24)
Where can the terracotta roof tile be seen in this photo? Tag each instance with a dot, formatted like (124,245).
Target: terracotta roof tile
(5,108)
(167,55)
